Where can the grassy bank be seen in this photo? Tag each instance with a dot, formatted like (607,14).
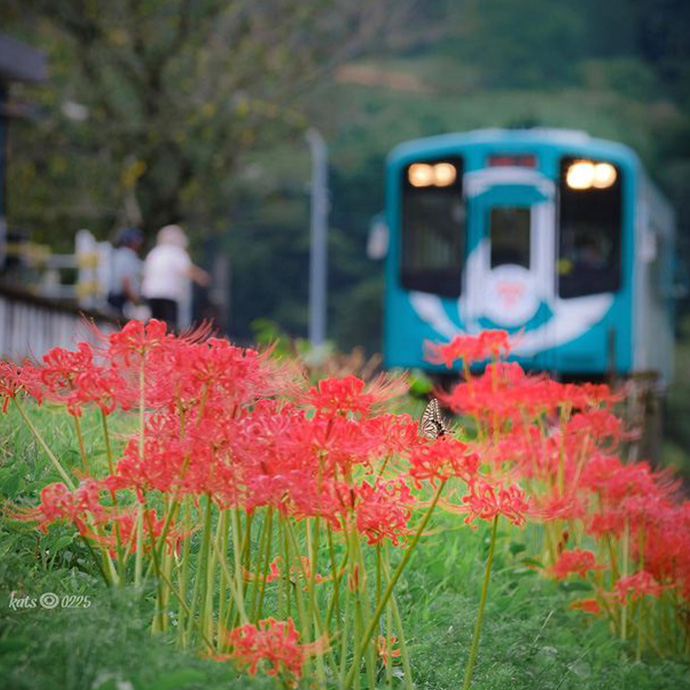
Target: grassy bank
(531,639)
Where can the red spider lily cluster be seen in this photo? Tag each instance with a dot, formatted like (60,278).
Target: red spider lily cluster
(242,490)
(620,524)
(269,642)
(274,517)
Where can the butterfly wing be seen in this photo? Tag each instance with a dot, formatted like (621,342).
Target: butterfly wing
(431,424)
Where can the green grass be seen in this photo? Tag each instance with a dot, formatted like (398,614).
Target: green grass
(531,639)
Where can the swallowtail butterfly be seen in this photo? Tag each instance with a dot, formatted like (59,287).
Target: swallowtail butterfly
(431,425)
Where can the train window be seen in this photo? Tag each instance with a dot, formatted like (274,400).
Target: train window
(591,221)
(509,231)
(433,227)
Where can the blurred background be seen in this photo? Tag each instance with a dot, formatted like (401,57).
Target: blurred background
(144,113)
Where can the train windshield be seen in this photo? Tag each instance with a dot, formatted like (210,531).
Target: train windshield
(509,231)
(433,227)
(589,252)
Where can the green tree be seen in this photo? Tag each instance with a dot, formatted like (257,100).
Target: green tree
(151,103)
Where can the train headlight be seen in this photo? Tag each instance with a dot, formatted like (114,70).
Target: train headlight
(586,174)
(427,175)
(604,175)
(580,175)
(421,175)
(444,174)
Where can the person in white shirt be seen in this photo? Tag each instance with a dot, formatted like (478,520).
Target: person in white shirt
(167,271)
(126,270)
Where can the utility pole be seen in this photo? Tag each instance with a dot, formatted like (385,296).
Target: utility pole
(318,253)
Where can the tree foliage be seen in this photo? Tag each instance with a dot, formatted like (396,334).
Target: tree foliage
(150,103)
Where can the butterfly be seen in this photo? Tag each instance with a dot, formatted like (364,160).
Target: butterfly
(431,425)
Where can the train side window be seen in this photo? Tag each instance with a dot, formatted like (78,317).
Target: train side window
(591,228)
(433,227)
(509,232)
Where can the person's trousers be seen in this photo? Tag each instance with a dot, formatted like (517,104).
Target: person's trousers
(164,310)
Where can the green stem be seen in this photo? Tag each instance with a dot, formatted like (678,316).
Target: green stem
(305,621)
(41,441)
(378,573)
(237,549)
(159,586)
(314,557)
(183,572)
(139,556)
(108,448)
(221,552)
(186,609)
(111,471)
(389,589)
(262,565)
(82,449)
(237,596)
(624,573)
(336,582)
(337,579)
(404,654)
(480,614)
(200,579)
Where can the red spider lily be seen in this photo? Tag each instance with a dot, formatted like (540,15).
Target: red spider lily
(296,464)
(383,510)
(578,561)
(606,523)
(525,450)
(330,444)
(349,394)
(162,462)
(102,387)
(136,339)
(396,434)
(568,507)
(441,460)
(14,380)
(667,546)
(57,377)
(636,586)
(214,374)
(590,395)
(469,348)
(301,571)
(607,476)
(586,605)
(601,424)
(59,503)
(196,463)
(382,645)
(274,570)
(270,641)
(61,367)
(489,396)
(74,380)
(486,501)
(124,526)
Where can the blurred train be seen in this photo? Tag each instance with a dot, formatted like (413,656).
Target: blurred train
(552,235)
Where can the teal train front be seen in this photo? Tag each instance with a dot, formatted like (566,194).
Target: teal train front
(554,236)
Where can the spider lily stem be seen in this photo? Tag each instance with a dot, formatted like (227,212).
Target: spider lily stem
(482,604)
(389,589)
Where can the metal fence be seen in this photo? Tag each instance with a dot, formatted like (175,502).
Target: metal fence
(31,325)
